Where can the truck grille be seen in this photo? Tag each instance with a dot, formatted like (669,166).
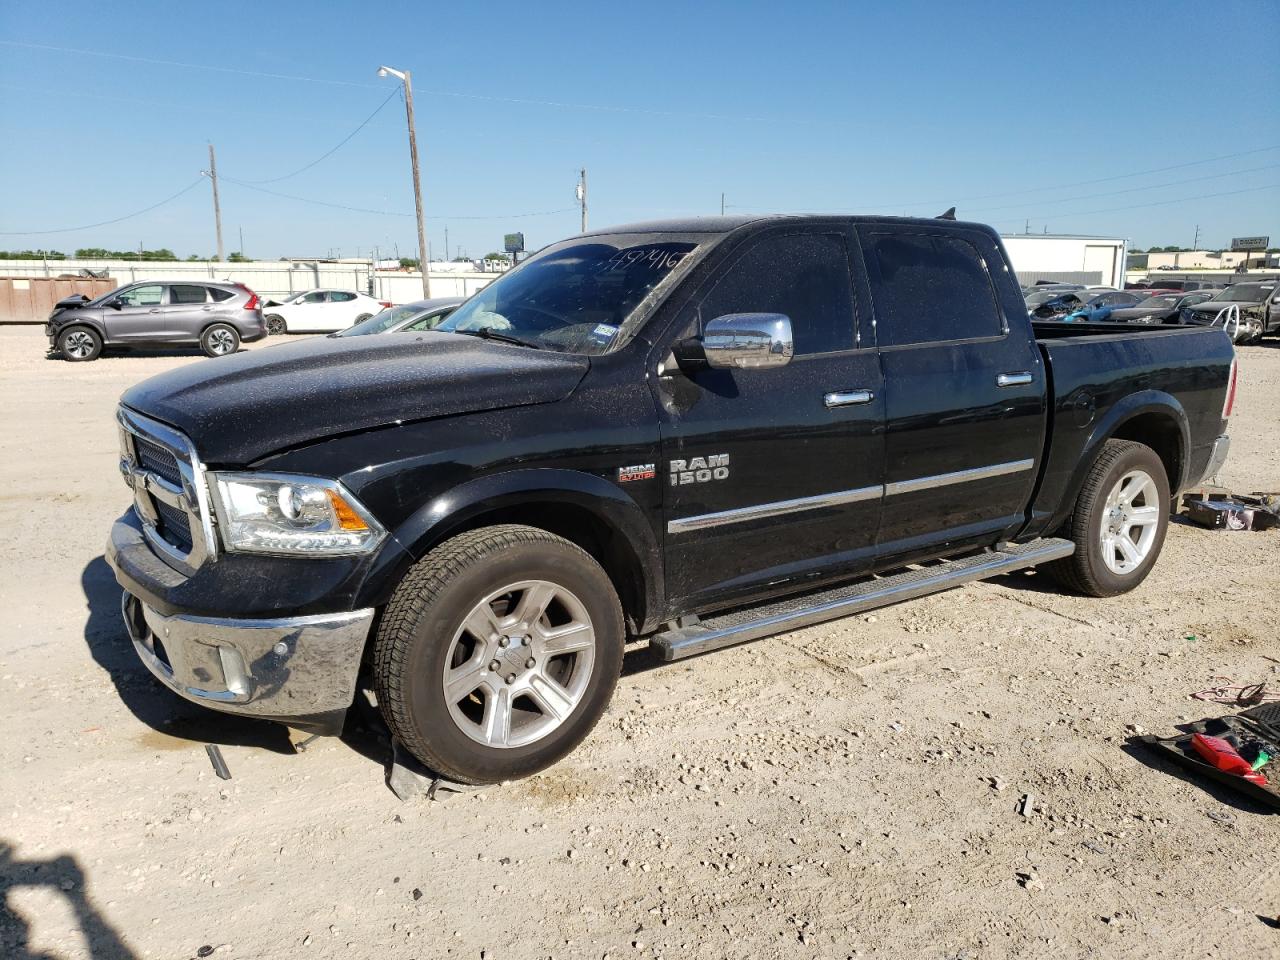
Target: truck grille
(169,492)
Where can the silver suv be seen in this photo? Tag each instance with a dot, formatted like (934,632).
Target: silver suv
(217,315)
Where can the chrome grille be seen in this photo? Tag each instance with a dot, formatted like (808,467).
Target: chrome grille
(169,492)
(157,459)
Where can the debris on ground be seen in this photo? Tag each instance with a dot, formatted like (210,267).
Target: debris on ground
(1225,511)
(1237,695)
(215,758)
(1238,750)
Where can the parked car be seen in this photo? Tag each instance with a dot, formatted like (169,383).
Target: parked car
(406,318)
(320,311)
(1160,308)
(1257,301)
(697,432)
(217,315)
(1189,285)
(1051,304)
(1097,306)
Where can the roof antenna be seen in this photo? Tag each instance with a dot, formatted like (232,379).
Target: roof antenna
(949,215)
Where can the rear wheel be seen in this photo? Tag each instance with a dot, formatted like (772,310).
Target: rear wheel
(276,325)
(80,344)
(498,653)
(219,340)
(362,318)
(1119,522)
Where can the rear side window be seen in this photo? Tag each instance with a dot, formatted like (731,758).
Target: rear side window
(219,294)
(929,289)
(341,296)
(186,293)
(805,276)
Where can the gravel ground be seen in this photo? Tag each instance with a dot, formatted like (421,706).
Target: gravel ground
(846,790)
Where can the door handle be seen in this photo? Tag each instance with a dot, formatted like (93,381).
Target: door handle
(1019,379)
(206,309)
(847,398)
(154,310)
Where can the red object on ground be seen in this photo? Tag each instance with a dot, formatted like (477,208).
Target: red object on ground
(1220,754)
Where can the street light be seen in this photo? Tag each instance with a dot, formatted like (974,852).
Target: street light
(403,77)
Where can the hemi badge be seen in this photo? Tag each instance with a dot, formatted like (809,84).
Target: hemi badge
(640,471)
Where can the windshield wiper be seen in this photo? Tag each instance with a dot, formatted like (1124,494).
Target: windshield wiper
(489,333)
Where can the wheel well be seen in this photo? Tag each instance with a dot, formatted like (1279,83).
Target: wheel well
(1159,432)
(579,526)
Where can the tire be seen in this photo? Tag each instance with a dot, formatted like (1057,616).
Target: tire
(219,340)
(361,319)
(480,580)
(1102,520)
(80,344)
(276,325)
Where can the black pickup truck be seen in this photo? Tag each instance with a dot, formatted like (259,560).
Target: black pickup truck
(694,432)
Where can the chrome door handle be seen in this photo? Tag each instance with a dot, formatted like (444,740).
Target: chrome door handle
(1019,379)
(847,398)
(153,310)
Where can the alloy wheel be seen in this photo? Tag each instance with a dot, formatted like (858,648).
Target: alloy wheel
(78,344)
(1130,521)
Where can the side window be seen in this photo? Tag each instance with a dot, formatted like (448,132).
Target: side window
(805,276)
(341,296)
(316,296)
(929,289)
(186,293)
(148,296)
(219,295)
(429,322)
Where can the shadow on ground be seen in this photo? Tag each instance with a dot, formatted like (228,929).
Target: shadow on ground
(160,709)
(64,876)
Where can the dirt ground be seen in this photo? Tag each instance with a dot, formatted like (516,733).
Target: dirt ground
(846,790)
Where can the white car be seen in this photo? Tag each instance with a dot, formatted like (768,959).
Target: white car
(320,311)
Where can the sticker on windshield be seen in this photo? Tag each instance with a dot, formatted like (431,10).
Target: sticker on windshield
(603,332)
(659,257)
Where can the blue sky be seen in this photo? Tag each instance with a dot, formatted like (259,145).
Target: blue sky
(1011,111)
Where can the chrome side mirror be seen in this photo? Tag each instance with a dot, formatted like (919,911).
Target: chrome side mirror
(744,341)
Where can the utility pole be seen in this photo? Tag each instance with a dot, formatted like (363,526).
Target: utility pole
(1027,227)
(404,77)
(242,254)
(722,204)
(217,208)
(1197,238)
(446,241)
(582,197)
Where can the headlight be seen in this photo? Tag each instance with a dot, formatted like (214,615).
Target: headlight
(294,515)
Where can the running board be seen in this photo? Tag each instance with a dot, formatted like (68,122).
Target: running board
(754,623)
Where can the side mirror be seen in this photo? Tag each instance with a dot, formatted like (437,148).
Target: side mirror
(746,341)
(116,305)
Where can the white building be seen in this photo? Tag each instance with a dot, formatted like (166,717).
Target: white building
(1067,258)
(1209,259)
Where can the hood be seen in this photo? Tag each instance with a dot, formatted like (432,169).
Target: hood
(1128,313)
(240,408)
(1211,307)
(68,304)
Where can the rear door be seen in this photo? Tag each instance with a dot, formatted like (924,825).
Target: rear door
(136,313)
(188,312)
(964,387)
(772,476)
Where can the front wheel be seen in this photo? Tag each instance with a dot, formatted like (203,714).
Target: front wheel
(362,318)
(219,340)
(79,344)
(1119,522)
(276,325)
(498,653)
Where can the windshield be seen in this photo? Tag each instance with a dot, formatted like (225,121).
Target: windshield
(578,296)
(1244,293)
(1043,296)
(382,322)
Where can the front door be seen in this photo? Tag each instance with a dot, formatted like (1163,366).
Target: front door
(140,313)
(772,476)
(964,387)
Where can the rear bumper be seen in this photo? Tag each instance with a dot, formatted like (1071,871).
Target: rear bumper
(298,670)
(1217,457)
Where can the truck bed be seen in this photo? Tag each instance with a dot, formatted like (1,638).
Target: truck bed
(1060,330)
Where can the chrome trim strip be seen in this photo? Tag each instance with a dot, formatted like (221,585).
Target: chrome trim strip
(775,509)
(1019,379)
(958,476)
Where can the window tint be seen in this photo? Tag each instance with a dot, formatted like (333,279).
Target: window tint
(341,296)
(805,276)
(430,321)
(218,294)
(148,296)
(316,296)
(186,293)
(929,289)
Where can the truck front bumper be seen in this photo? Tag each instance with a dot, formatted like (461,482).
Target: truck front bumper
(298,670)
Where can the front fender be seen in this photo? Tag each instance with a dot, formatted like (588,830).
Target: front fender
(456,509)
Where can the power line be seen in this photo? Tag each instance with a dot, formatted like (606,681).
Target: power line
(128,216)
(343,142)
(1157,203)
(391,213)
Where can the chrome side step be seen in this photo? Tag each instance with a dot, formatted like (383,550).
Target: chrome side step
(754,623)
